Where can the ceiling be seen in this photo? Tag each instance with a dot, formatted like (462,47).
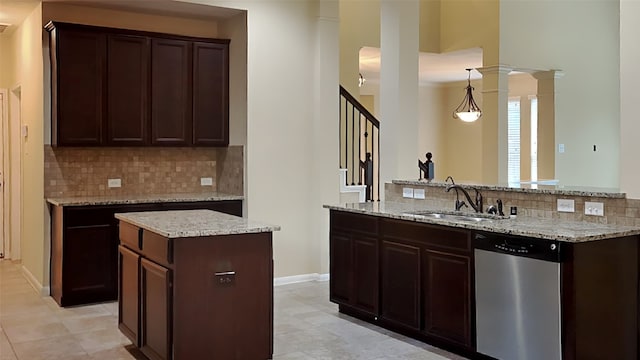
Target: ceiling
(13,12)
(433,68)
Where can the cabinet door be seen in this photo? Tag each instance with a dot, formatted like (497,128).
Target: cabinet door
(210,94)
(340,274)
(128,88)
(156,297)
(447,281)
(89,264)
(400,270)
(79,85)
(171,105)
(129,304)
(365,274)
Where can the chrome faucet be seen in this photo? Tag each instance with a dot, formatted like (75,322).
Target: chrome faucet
(476,205)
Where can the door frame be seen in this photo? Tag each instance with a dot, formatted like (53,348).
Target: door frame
(4,163)
(15,172)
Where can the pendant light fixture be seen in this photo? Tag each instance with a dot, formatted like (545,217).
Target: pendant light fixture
(468,110)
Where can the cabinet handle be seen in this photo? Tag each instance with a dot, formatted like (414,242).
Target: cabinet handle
(225,273)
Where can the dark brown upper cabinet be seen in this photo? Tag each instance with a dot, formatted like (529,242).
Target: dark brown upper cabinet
(127,94)
(117,87)
(78,82)
(210,94)
(171,92)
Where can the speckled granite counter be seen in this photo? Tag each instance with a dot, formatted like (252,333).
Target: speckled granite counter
(551,229)
(194,223)
(529,188)
(141,199)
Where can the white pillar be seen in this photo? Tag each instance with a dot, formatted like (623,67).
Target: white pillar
(495,92)
(399,49)
(629,98)
(547,93)
(324,185)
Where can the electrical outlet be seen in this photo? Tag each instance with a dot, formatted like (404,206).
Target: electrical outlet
(566,205)
(407,193)
(418,194)
(594,208)
(114,183)
(206,181)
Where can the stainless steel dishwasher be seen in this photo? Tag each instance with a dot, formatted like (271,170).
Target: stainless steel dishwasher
(517,297)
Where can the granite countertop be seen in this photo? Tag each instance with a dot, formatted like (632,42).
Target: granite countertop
(141,199)
(194,223)
(530,188)
(550,229)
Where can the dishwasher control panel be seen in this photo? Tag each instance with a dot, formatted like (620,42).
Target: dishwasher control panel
(549,250)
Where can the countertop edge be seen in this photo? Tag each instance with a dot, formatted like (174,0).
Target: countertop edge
(132,199)
(626,231)
(247,226)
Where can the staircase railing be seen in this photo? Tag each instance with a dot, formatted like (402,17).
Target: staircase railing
(359,145)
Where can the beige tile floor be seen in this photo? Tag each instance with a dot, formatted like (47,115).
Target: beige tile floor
(306,326)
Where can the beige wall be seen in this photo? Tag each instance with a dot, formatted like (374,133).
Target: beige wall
(431,121)
(582,40)
(470,24)
(359,26)
(292,147)
(25,49)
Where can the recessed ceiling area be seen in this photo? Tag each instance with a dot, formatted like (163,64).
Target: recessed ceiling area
(433,68)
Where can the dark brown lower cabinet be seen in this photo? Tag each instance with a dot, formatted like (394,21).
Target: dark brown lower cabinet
(410,277)
(198,298)
(128,308)
(155,298)
(354,254)
(400,292)
(447,303)
(84,247)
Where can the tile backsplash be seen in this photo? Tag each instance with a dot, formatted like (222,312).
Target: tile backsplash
(71,172)
(621,211)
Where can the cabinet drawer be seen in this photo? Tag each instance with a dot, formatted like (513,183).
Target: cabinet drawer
(130,236)
(434,236)
(157,248)
(354,222)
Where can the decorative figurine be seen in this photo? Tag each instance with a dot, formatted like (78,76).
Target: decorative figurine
(426,168)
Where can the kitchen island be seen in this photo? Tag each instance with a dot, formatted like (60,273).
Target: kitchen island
(395,265)
(196,284)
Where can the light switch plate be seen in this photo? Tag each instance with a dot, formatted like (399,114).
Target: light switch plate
(114,183)
(418,193)
(594,208)
(566,205)
(407,193)
(206,181)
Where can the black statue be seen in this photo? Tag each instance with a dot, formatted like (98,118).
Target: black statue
(426,168)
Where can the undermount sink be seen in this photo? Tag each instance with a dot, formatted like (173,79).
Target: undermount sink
(470,217)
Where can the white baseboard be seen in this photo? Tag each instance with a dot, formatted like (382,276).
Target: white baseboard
(285,280)
(43,290)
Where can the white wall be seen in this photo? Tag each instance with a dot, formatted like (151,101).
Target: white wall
(629,98)
(581,38)
(292,132)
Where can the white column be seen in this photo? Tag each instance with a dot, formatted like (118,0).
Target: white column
(324,185)
(629,98)
(547,93)
(495,92)
(399,48)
